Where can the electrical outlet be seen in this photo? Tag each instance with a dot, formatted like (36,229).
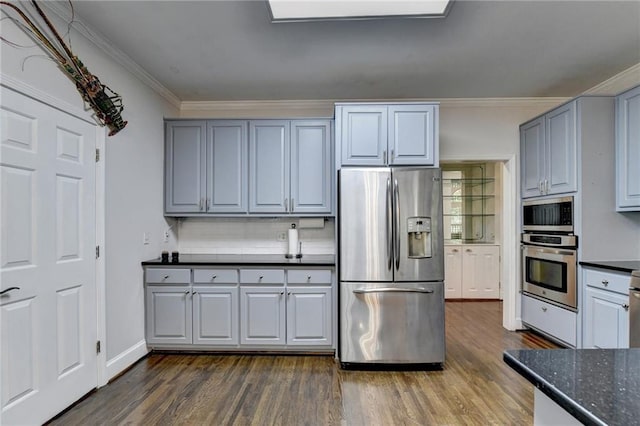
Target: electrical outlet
(145,238)
(282,236)
(166,236)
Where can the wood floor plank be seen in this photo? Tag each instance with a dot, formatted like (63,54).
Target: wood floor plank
(475,387)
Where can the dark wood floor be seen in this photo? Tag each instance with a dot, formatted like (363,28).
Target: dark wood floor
(476,386)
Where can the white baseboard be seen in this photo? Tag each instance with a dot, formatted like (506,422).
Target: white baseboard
(125,359)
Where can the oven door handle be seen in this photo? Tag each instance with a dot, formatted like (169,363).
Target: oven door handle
(544,250)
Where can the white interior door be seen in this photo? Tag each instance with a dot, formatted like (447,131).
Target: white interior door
(48,323)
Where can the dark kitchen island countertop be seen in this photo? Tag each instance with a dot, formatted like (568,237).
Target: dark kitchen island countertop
(596,386)
(246,260)
(613,265)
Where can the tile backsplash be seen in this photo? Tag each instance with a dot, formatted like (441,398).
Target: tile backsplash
(251,236)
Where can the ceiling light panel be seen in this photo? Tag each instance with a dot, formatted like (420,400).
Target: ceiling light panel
(308,10)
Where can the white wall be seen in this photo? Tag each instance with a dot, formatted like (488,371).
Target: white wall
(133,164)
(252,236)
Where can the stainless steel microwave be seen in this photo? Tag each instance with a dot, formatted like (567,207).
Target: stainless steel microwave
(548,215)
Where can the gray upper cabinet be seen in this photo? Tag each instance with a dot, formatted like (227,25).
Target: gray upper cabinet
(311,177)
(260,167)
(391,134)
(628,150)
(290,167)
(185,166)
(548,151)
(269,166)
(226,167)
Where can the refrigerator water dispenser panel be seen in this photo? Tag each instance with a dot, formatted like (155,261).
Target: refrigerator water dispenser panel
(419,237)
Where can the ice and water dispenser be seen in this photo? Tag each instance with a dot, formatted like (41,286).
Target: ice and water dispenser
(419,230)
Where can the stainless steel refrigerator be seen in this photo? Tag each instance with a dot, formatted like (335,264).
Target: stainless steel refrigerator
(391,261)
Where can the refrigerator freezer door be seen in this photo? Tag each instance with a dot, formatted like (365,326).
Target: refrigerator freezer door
(418,207)
(366,243)
(394,324)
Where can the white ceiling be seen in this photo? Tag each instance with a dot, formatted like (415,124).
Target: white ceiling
(229,50)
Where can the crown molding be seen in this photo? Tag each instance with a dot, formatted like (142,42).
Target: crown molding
(618,83)
(62,10)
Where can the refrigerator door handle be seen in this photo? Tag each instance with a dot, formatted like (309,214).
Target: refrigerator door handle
(392,290)
(389,224)
(396,222)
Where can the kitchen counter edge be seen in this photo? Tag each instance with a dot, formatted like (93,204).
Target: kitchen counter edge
(244,260)
(626,266)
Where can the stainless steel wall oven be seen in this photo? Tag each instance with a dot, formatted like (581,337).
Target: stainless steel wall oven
(549,251)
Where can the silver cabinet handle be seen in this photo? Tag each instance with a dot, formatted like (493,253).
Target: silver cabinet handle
(384,156)
(389,226)
(207,204)
(396,247)
(200,204)
(605,283)
(392,290)
(291,209)
(546,186)
(7,290)
(544,309)
(625,307)
(286,204)
(392,155)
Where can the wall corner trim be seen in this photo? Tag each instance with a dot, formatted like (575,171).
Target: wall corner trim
(125,359)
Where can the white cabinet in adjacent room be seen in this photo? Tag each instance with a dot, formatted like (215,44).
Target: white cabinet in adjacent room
(472,271)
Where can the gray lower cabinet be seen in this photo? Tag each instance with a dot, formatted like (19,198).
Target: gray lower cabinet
(628,150)
(606,310)
(247,308)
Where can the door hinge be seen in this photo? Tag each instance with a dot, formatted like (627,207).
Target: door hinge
(97,155)
(98,347)
(97,252)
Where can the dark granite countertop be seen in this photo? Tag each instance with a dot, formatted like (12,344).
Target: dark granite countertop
(614,265)
(596,386)
(246,260)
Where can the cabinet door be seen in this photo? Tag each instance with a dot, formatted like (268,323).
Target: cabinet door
(185,166)
(532,157)
(269,166)
(452,273)
(606,319)
(227,167)
(168,314)
(628,150)
(215,315)
(561,162)
(364,135)
(310,167)
(481,272)
(262,316)
(309,316)
(412,134)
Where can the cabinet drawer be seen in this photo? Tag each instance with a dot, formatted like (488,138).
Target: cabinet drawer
(309,276)
(215,276)
(168,276)
(609,280)
(262,276)
(557,322)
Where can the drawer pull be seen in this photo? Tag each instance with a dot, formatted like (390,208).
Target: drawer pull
(8,290)
(544,309)
(187,292)
(605,283)
(165,277)
(468,250)
(625,307)
(455,250)
(308,277)
(261,277)
(213,277)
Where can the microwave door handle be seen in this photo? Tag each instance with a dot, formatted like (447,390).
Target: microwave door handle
(396,200)
(389,225)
